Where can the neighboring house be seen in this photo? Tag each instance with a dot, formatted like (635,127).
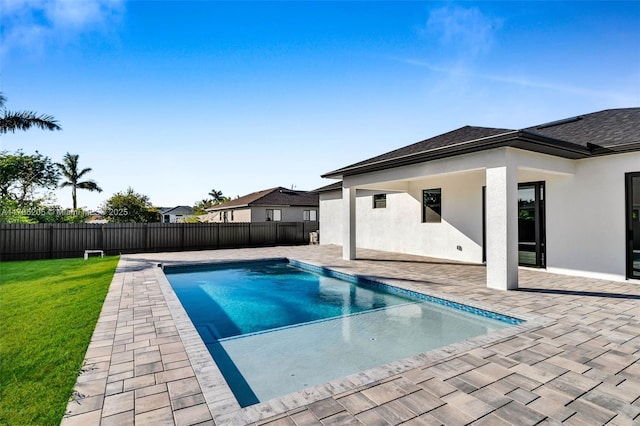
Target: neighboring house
(275,204)
(175,214)
(96,218)
(564,196)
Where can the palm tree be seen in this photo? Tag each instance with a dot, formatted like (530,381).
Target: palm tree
(10,121)
(69,169)
(216,196)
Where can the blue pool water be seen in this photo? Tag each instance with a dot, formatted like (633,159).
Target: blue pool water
(261,296)
(274,328)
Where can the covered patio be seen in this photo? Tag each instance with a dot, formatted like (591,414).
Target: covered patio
(479,216)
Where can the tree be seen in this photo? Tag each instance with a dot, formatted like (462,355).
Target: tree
(129,207)
(69,169)
(201,207)
(56,214)
(22,175)
(216,196)
(10,212)
(10,121)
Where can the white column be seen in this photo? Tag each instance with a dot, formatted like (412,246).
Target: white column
(349,223)
(502,227)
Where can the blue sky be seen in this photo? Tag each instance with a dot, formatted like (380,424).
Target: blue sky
(176,98)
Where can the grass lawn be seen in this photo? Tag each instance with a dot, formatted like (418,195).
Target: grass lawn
(48,310)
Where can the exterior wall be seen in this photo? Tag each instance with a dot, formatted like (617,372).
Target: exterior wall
(240,215)
(178,219)
(585,209)
(399,227)
(259,214)
(586,218)
(216,216)
(331,217)
(175,218)
(289,214)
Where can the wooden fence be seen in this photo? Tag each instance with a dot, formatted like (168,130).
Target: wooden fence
(52,241)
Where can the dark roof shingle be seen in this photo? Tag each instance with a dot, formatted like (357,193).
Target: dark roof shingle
(598,133)
(272,197)
(331,187)
(178,210)
(607,129)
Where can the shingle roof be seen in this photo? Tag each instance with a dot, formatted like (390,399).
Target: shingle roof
(331,187)
(272,197)
(178,210)
(607,129)
(599,133)
(463,134)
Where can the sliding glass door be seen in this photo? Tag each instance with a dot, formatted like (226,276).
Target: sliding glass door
(633,224)
(531,224)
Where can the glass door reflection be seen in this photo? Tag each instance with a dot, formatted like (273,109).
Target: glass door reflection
(633,225)
(531,224)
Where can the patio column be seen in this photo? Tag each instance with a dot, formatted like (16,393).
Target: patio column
(349,223)
(502,227)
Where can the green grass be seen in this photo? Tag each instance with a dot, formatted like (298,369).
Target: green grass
(48,310)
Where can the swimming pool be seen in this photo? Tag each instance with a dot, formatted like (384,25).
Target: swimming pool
(277,327)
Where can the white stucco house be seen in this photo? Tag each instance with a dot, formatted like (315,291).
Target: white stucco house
(175,214)
(564,196)
(270,205)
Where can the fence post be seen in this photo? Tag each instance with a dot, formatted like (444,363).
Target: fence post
(50,241)
(145,227)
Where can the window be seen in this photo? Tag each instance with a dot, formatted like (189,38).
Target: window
(380,201)
(311,215)
(432,205)
(225,219)
(274,215)
(231,215)
(167,218)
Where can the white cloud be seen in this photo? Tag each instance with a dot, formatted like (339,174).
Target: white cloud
(77,13)
(30,25)
(466,29)
(615,97)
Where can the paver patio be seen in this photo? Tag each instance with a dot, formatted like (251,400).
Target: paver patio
(575,362)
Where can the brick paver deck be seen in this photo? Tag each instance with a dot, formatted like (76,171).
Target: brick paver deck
(575,361)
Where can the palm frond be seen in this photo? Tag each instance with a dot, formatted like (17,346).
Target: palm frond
(89,185)
(84,172)
(11,121)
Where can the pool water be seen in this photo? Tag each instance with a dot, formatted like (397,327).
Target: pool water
(266,295)
(274,328)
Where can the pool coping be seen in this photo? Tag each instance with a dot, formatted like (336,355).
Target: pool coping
(222,403)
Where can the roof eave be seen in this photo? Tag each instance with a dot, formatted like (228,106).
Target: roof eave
(223,207)
(517,139)
(597,150)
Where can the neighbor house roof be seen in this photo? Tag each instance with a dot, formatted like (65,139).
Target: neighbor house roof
(599,133)
(272,197)
(178,210)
